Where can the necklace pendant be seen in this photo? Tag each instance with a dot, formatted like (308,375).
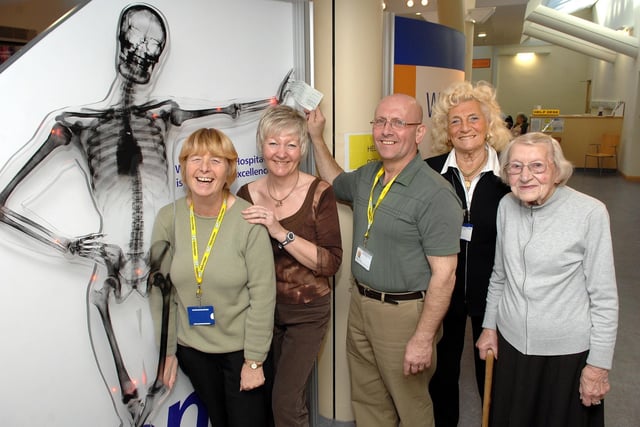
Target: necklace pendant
(467,184)
(278,202)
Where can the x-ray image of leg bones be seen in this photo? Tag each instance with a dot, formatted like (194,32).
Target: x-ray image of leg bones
(124,147)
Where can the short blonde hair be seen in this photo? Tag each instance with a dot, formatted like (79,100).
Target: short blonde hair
(282,119)
(563,167)
(213,142)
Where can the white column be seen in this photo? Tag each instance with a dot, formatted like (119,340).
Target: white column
(348,71)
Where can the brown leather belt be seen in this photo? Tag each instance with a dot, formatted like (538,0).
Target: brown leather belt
(391,298)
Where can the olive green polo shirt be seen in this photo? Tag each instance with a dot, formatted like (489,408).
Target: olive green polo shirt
(419,216)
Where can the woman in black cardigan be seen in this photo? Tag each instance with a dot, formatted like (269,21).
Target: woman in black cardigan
(467,127)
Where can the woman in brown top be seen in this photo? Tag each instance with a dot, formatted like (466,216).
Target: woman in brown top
(300,212)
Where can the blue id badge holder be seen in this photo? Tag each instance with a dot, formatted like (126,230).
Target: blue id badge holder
(201,315)
(467,231)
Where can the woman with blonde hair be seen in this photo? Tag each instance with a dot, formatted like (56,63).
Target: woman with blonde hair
(300,213)
(223,297)
(468,129)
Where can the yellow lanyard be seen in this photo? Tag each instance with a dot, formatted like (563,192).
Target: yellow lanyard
(199,266)
(371,210)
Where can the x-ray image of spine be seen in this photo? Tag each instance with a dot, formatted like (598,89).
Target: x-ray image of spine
(125,150)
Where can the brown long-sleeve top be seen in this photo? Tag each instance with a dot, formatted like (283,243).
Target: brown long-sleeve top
(317,222)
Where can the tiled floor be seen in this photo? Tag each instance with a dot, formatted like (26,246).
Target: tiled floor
(622,404)
(623,202)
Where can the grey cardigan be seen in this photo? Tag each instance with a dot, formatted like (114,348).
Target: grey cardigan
(553,287)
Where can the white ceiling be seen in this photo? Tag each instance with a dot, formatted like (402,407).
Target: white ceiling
(503,27)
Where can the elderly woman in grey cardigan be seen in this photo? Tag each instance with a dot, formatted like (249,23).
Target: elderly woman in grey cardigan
(552,306)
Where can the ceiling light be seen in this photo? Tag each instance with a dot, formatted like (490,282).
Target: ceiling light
(384,6)
(410,3)
(480,14)
(525,56)
(482,35)
(424,2)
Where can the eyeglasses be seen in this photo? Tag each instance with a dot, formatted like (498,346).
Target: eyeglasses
(516,168)
(380,122)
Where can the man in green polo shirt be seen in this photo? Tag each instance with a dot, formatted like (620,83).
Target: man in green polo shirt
(406,231)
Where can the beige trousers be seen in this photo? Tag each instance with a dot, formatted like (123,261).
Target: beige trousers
(377,334)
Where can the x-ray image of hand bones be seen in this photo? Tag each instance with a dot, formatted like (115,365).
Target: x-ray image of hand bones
(124,148)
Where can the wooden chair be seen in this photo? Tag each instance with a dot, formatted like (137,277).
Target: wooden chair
(606,149)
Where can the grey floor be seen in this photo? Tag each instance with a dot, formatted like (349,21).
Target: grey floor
(622,405)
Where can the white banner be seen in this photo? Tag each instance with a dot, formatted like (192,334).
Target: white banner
(88,146)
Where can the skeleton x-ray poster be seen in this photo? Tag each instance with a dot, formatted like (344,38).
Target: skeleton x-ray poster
(91,119)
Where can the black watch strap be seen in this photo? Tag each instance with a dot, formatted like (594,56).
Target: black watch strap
(290,237)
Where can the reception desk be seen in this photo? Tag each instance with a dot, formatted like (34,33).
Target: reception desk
(576,133)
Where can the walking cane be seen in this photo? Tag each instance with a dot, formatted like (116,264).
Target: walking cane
(488,378)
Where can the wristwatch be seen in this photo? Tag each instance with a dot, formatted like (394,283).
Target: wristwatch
(252,364)
(290,237)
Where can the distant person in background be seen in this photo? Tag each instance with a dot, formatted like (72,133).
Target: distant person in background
(508,122)
(552,306)
(467,127)
(521,126)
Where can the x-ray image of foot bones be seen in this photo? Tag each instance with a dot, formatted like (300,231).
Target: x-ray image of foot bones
(123,149)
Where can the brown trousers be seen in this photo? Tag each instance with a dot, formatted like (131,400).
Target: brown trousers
(299,330)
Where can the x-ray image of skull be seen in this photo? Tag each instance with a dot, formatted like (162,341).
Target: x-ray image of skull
(142,38)
(125,151)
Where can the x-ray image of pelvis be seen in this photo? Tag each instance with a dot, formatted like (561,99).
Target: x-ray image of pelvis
(79,194)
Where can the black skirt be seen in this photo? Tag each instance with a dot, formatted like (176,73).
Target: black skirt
(539,391)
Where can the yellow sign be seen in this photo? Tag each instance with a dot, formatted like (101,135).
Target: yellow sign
(546,112)
(360,150)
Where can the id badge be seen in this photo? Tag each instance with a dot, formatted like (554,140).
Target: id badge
(364,257)
(201,315)
(467,230)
